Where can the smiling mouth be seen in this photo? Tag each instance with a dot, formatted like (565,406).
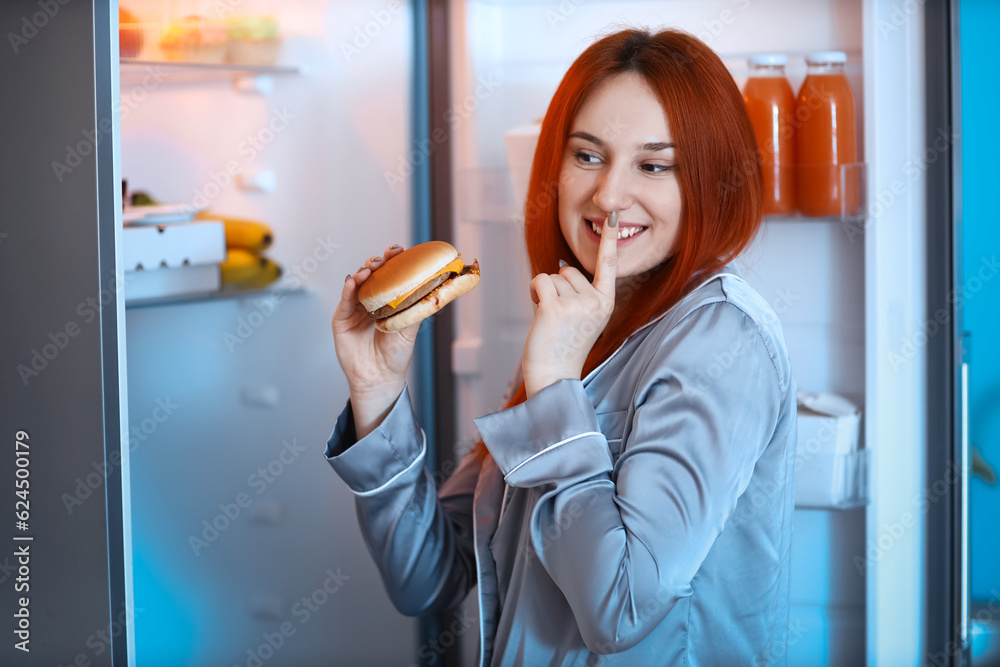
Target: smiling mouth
(624,231)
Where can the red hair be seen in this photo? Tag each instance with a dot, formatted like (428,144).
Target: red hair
(718,171)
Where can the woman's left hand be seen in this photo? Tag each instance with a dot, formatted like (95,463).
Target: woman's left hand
(571,314)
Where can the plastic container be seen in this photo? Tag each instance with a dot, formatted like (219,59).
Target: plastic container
(771,106)
(825,139)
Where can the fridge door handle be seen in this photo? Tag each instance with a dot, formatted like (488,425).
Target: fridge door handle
(966,470)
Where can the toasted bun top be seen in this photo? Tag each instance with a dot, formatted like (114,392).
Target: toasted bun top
(404,273)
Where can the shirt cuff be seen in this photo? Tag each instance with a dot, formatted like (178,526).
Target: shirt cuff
(553,436)
(394,450)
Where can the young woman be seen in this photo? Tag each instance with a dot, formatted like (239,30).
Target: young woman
(632,504)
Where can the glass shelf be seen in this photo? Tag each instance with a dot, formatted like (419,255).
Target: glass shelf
(219,295)
(135,71)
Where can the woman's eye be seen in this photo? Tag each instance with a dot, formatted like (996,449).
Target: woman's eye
(586,158)
(657,168)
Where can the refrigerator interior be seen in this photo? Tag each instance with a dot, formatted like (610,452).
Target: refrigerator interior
(246,544)
(509,58)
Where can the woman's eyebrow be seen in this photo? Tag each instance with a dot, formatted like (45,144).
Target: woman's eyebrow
(652,146)
(657,146)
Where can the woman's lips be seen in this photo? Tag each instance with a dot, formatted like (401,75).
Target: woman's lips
(621,226)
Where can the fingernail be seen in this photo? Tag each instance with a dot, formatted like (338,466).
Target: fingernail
(613,219)
(395,245)
(377,259)
(562,263)
(347,278)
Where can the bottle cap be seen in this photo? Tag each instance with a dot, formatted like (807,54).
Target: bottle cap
(768,59)
(824,57)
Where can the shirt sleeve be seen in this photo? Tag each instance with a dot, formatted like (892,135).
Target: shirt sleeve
(616,538)
(421,540)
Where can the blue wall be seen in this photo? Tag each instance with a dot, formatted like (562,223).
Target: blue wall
(981,248)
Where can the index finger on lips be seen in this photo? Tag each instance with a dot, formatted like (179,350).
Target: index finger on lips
(607,256)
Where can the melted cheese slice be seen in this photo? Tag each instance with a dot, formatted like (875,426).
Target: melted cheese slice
(454,266)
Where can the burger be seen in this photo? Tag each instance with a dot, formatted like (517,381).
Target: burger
(415,284)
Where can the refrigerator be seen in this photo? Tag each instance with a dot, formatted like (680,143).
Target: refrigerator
(213,531)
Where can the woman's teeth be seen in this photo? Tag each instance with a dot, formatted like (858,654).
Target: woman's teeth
(623,232)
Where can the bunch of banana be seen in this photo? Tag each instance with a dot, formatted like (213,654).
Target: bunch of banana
(246,270)
(240,233)
(244,267)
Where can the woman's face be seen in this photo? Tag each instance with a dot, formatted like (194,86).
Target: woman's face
(620,157)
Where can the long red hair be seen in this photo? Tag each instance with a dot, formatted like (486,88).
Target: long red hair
(718,171)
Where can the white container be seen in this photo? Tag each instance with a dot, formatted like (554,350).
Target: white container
(830,470)
(173,245)
(828,423)
(163,283)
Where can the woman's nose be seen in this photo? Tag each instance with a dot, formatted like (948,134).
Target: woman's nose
(614,191)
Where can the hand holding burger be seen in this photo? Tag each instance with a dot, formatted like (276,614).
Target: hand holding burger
(373,328)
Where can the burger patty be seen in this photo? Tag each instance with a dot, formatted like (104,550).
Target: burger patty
(422,291)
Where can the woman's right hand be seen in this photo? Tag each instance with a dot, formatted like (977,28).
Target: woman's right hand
(373,361)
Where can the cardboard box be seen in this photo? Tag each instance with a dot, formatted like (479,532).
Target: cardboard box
(173,245)
(181,281)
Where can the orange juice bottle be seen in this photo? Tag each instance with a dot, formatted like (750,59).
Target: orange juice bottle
(826,139)
(771,105)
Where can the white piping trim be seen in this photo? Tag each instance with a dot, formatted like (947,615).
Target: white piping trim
(549,448)
(657,319)
(479,590)
(416,461)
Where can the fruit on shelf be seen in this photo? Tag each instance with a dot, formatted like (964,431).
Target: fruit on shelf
(129,34)
(242,233)
(268,273)
(240,265)
(253,40)
(245,270)
(194,39)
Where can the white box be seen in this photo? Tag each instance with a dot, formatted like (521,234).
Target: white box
(173,245)
(830,470)
(182,281)
(827,423)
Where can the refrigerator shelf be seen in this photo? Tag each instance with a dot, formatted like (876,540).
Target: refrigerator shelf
(133,71)
(219,295)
